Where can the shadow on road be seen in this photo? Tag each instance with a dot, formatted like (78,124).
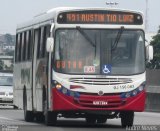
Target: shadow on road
(83,124)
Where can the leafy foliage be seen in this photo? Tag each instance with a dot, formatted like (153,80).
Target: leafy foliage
(8,38)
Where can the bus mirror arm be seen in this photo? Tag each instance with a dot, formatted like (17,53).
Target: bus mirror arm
(50,44)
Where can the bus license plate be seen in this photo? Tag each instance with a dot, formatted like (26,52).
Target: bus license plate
(100,103)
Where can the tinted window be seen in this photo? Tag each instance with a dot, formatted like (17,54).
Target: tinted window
(30,45)
(19,47)
(38,37)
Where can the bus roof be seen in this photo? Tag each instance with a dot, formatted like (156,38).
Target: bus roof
(49,16)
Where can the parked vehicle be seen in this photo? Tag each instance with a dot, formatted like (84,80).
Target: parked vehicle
(6,88)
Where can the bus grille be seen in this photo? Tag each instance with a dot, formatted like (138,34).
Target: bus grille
(101,81)
(112,101)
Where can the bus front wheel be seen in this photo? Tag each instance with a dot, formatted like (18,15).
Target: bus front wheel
(50,118)
(127,118)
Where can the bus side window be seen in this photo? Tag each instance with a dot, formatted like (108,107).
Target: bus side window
(30,45)
(27,43)
(23,46)
(16,48)
(42,42)
(38,44)
(46,35)
(20,45)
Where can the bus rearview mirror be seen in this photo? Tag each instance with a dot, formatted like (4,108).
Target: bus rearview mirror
(149,53)
(50,44)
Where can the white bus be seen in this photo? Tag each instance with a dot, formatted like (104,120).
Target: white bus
(81,62)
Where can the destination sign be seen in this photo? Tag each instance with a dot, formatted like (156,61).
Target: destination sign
(99,17)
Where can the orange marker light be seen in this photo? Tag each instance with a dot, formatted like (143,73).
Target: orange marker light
(58,86)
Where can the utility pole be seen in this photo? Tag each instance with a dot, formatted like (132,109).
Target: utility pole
(146,15)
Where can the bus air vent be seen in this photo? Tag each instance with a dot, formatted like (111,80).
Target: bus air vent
(101,81)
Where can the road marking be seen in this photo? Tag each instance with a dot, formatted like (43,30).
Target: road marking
(1,117)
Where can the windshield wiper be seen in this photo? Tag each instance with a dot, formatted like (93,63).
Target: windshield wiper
(118,38)
(85,36)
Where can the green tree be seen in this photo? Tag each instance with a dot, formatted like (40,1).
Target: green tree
(155,63)
(8,38)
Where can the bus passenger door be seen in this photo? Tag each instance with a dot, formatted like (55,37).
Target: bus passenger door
(36,37)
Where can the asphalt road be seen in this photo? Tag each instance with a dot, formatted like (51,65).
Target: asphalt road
(12,120)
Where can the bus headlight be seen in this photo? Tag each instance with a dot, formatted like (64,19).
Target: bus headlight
(134,92)
(58,86)
(128,94)
(66,91)
(141,88)
(72,93)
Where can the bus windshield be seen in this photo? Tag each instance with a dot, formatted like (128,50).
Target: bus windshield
(6,80)
(93,51)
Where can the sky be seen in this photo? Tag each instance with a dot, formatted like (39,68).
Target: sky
(13,12)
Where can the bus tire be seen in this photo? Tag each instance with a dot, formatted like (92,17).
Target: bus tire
(127,118)
(90,119)
(50,118)
(39,117)
(28,115)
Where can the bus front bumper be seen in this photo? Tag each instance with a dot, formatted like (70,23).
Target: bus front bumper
(61,102)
